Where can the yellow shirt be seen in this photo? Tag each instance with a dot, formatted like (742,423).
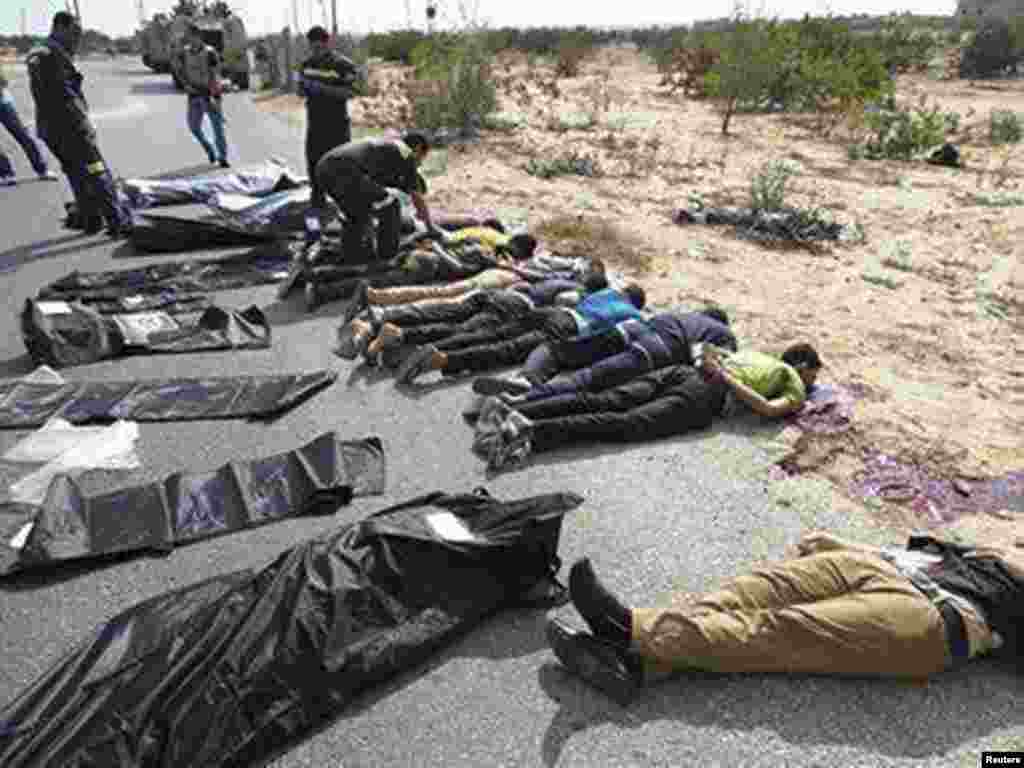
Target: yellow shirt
(489,238)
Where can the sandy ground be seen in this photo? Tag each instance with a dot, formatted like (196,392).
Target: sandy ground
(925,313)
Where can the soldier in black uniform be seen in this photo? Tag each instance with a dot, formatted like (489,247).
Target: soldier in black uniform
(355,176)
(326,81)
(62,122)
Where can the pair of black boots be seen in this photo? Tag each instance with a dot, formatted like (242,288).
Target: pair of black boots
(605,658)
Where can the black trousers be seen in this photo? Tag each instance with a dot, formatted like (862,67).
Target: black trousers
(578,352)
(319,141)
(509,343)
(668,401)
(91,181)
(355,193)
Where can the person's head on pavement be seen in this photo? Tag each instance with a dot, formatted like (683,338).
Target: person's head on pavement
(804,359)
(521,246)
(419,143)
(636,294)
(67,31)
(319,40)
(716,313)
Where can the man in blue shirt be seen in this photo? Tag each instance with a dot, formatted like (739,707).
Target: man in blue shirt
(630,349)
(512,343)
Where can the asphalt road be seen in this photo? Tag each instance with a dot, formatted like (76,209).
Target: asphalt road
(680,513)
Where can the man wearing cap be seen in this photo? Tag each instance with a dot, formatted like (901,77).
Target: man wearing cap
(62,122)
(326,81)
(198,69)
(358,175)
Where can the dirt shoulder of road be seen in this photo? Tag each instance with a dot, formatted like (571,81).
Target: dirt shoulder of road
(924,315)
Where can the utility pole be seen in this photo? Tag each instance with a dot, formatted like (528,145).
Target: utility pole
(334,16)
(24,24)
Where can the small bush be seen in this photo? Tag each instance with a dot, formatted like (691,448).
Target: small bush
(900,134)
(569,164)
(453,86)
(768,187)
(902,46)
(1005,127)
(997,199)
(394,46)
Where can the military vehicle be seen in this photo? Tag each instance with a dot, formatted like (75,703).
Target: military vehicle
(221,30)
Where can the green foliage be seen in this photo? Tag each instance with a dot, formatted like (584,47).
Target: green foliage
(815,64)
(903,46)
(454,85)
(1005,127)
(569,164)
(900,133)
(748,66)
(396,46)
(768,187)
(998,199)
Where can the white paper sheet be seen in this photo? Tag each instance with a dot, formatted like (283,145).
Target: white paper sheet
(449,527)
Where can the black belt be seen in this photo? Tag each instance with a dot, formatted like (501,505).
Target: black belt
(956,632)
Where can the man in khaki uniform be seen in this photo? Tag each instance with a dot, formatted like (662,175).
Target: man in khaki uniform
(838,609)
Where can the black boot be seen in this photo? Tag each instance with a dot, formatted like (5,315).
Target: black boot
(613,671)
(606,616)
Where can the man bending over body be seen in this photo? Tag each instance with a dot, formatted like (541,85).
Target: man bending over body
(667,401)
(837,609)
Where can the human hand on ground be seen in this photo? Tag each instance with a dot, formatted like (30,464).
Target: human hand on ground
(819,541)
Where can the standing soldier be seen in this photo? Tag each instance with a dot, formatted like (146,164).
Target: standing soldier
(199,71)
(326,81)
(62,122)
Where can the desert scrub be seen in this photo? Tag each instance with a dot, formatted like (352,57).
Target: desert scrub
(768,187)
(901,133)
(1005,127)
(569,164)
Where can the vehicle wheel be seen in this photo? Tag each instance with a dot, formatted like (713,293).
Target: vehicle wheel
(177,82)
(242,81)
(148,62)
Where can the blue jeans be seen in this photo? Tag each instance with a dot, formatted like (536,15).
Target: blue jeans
(199,107)
(12,122)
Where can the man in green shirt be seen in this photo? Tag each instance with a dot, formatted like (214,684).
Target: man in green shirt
(773,387)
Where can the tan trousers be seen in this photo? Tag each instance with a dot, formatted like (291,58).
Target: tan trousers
(488,279)
(838,613)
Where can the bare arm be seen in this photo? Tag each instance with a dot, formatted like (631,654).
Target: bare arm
(770,409)
(421,209)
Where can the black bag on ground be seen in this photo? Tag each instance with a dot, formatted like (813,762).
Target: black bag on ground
(26,404)
(70,524)
(153,233)
(61,334)
(234,670)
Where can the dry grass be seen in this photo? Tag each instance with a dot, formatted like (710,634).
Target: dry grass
(580,235)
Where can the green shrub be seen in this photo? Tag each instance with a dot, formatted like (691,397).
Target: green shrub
(453,85)
(900,134)
(902,46)
(1005,127)
(768,187)
(569,164)
(394,46)
(748,65)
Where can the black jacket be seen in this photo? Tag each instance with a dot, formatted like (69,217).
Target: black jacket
(56,86)
(326,80)
(984,579)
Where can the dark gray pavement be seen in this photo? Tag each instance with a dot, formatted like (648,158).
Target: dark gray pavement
(677,514)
